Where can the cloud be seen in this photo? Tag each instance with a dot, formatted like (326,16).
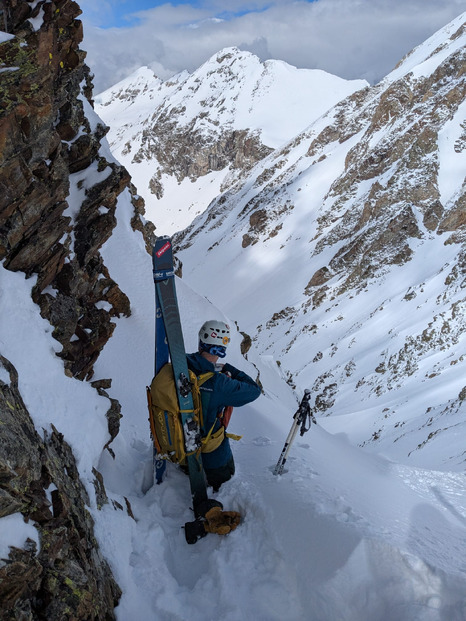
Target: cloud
(350,38)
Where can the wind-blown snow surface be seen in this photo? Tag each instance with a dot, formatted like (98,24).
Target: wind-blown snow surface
(231,91)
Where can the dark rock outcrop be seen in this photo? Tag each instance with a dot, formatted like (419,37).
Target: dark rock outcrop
(188,152)
(66,576)
(53,220)
(58,196)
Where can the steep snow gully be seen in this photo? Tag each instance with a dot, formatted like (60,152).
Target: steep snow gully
(342,534)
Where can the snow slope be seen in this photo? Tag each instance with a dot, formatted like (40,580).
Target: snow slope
(383,352)
(341,535)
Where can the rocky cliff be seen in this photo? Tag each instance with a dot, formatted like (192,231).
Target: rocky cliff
(64,576)
(58,192)
(47,138)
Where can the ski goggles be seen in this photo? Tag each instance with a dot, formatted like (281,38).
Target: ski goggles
(214,350)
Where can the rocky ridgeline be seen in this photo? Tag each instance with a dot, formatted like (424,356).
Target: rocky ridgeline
(46,137)
(403,200)
(388,192)
(47,144)
(373,227)
(387,197)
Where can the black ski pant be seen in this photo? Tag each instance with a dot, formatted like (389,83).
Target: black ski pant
(217,476)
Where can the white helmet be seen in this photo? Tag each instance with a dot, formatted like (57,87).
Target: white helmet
(215,332)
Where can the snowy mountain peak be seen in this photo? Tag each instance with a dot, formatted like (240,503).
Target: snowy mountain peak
(233,89)
(209,127)
(229,57)
(133,86)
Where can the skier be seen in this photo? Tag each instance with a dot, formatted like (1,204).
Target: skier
(228,387)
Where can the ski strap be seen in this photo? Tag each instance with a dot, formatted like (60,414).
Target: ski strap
(203,377)
(213,440)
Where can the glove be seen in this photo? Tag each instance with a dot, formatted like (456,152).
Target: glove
(230,370)
(221,522)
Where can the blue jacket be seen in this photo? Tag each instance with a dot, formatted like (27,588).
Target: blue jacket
(216,393)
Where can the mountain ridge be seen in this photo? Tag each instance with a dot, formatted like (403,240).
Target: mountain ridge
(206,129)
(345,205)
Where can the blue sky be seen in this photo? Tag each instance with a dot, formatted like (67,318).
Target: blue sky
(123,13)
(349,38)
(124,10)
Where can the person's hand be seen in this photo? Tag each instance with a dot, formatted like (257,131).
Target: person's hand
(221,522)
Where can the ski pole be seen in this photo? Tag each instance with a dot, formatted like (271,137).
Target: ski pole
(299,420)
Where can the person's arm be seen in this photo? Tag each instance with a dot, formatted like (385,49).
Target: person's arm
(237,388)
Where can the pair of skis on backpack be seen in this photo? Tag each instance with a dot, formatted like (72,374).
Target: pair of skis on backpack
(177,415)
(183,441)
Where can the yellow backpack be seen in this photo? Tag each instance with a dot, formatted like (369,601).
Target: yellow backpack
(165,416)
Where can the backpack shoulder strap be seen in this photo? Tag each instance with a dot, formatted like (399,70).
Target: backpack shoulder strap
(198,381)
(203,377)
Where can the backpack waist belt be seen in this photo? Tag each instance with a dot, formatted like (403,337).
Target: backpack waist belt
(213,440)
